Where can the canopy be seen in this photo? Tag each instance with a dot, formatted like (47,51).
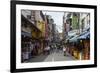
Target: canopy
(85,35)
(74,39)
(26,34)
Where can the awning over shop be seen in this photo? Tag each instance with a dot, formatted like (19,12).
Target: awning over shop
(74,39)
(85,35)
(26,34)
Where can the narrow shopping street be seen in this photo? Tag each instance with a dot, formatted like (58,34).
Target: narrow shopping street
(53,56)
(49,36)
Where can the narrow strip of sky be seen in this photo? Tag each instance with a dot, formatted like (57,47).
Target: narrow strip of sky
(57,17)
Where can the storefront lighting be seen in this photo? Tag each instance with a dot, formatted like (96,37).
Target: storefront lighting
(81,41)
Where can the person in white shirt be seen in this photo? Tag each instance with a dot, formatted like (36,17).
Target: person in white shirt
(64,50)
(47,50)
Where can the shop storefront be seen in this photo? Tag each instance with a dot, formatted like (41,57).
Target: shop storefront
(85,42)
(73,45)
(80,46)
(25,45)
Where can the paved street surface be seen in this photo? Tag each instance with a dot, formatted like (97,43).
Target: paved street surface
(54,56)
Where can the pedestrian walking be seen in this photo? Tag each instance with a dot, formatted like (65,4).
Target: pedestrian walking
(47,50)
(64,50)
(58,48)
(51,48)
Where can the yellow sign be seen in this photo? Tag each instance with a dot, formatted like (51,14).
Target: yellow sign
(41,27)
